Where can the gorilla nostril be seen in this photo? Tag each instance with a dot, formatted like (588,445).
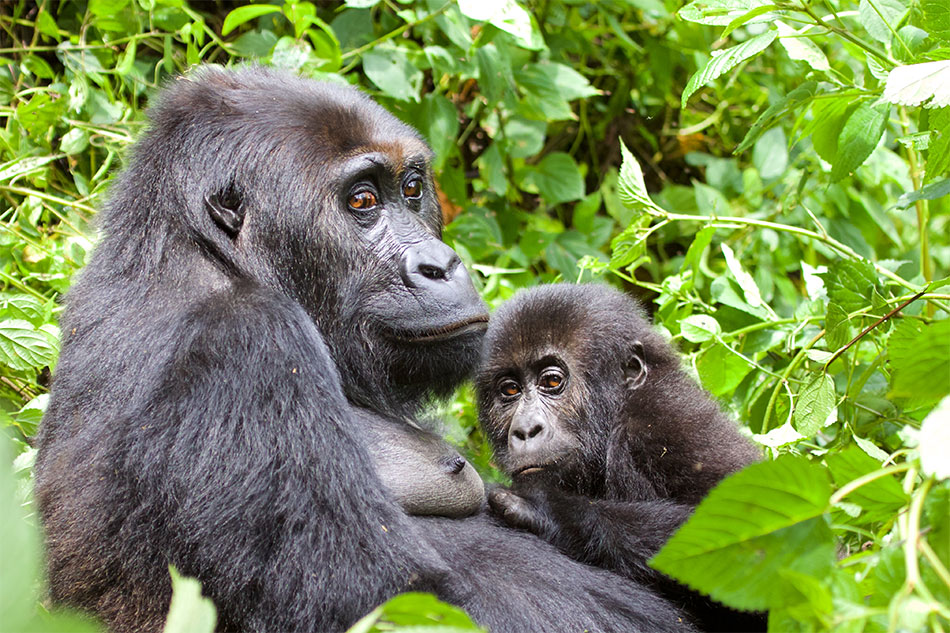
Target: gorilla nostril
(430,271)
(519,435)
(535,430)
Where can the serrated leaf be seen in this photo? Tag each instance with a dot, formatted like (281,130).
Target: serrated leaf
(816,402)
(22,347)
(937,18)
(850,284)
(800,48)
(920,359)
(916,84)
(837,327)
(699,328)
(721,371)
(754,525)
(20,166)
(189,612)
(929,192)
(860,135)
(631,188)
(508,16)
(938,151)
(776,111)
(934,441)
(878,499)
(881,18)
(239,16)
(717,12)
(749,288)
(725,61)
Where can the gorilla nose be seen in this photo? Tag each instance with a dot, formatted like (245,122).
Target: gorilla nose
(428,263)
(526,434)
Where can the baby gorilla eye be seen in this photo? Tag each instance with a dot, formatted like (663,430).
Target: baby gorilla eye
(551,380)
(362,201)
(509,388)
(412,189)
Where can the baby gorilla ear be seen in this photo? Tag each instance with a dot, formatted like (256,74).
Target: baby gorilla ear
(226,210)
(635,370)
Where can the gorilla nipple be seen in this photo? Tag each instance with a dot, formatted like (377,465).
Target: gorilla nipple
(454,464)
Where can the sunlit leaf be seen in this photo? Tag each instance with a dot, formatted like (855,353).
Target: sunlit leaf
(927,84)
(724,61)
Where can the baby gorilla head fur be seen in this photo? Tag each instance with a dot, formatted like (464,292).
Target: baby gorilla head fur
(576,389)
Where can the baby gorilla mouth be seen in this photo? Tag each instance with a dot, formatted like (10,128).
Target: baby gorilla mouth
(473,325)
(528,470)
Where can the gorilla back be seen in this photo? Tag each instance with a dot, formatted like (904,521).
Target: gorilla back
(270,258)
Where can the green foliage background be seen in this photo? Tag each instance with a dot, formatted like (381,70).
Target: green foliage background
(770,178)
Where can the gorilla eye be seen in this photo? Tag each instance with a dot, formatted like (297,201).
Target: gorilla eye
(509,388)
(551,381)
(362,201)
(412,189)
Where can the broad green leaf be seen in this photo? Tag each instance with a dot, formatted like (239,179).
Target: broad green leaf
(23,347)
(390,69)
(775,112)
(938,153)
(695,252)
(757,523)
(814,405)
(837,327)
(800,48)
(930,192)
(418,612)
(879,499)
(189,612)
(937,18)
(442,124)
(770,155)
(858,138)
(508,16)
(556,178)
(631,188)
(549,87)
(21,166)
(881,18)
(724,61)
(239,16)
(919,356)
(849,283)
(720,370)
(699,328)
(934,441)
(717,12)
(916,84)
(749,289)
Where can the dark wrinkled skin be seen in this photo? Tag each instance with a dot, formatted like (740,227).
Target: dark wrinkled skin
(610,445)
(270,275)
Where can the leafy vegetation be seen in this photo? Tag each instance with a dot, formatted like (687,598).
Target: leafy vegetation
(771,178)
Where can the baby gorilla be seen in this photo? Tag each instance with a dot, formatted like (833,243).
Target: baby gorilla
(609,443)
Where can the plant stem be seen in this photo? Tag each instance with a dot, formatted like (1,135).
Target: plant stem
(396,33)
(866,479)
(923,212)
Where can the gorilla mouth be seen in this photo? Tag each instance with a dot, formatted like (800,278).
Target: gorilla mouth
(445,332)
(528,470)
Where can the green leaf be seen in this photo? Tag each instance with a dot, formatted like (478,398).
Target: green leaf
(508,16)
(871,12)
(390,69)
(239,16)
(757,523)
(23,347)
(776,112)
(858,138)
(20,166)
(556,178)
(837,327)
(717,12)
(549,86)
(631,188)
(879,499)
(815,404)
(930,192)
(800,48)
(938,153)
(720,370)
(417,612)
(850,283)
(441,127)
(699,328)
(918,83)
(190,612)
(937,18)
(726,60)
(920,359)
(749,289)
(697,248)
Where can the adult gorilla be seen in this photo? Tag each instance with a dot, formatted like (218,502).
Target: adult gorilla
(271,274)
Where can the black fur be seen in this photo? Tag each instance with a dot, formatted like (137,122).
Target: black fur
(609,442)
(239,308)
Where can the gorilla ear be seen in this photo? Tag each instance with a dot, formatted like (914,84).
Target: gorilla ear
(635,370)
(225,208)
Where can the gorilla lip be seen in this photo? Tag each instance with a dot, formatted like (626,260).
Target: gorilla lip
(527,470)
(459,328)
